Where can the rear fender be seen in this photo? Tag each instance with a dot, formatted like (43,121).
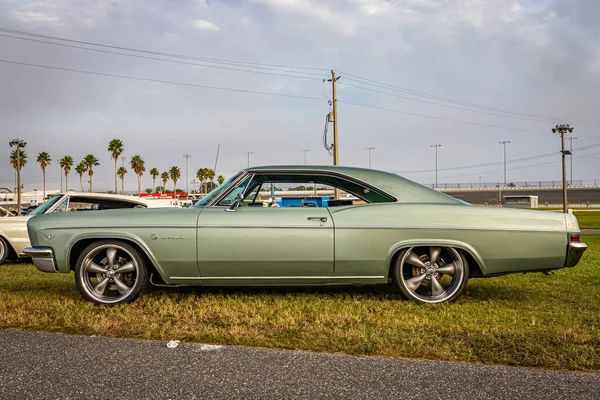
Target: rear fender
(434,242)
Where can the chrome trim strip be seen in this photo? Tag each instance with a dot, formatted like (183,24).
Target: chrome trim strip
(317,226)
(121,227)
(275,277)
(303,172)
(338,227)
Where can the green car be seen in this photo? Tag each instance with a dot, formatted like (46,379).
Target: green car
(304,225)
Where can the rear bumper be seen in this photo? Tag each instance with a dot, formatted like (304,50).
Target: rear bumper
(43,258)
(574,253)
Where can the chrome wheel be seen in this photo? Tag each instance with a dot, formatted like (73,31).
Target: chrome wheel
(431,274)
(110,273)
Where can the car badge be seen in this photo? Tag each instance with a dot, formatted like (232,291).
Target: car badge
(49,237)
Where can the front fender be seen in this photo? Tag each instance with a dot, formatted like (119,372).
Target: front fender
(110,235)
(434,242)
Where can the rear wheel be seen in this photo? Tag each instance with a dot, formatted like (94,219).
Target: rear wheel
(110,272)
(3,250)
(431,274)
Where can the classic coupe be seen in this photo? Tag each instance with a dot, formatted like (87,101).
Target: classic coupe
(13,230)
(376,228)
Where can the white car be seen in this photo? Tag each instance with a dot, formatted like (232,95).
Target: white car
(13,229)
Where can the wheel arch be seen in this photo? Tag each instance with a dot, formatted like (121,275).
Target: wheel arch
(79,243)
(474,260)
(12,253)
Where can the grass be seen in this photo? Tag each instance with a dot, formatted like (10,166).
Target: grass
(588,220)
(527,320)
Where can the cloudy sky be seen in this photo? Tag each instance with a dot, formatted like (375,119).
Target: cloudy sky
(465,74)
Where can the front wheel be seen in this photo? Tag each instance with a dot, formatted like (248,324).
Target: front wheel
(110,272)
(431,274)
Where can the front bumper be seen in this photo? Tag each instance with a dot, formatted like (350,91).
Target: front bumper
(574,253)
(43,258)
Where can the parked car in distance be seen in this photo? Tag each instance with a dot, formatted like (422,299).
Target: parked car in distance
(426,243)
(13,231)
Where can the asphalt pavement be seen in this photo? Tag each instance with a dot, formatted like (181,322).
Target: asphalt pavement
(55,366)
(590,231)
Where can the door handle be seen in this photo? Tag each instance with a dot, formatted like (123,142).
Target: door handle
(322,219)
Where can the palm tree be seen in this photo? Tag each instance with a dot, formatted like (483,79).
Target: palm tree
(115,147)
(138,166)
(80,169)
(221,179)
(201,174)
(121,172)
(90,161)
(164,177)
(154,173)
(210,174)
(175,174)
(44,160)
(22,159)
(66,163)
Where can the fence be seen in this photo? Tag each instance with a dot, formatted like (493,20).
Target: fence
(528,184)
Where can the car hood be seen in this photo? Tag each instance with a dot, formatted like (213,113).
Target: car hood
(122,219)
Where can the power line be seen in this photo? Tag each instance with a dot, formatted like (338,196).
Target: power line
(498,162)
(443,118)
(522,167)
(173,55)
(449,100)
(159,80)
(454,107)
(165,60)
(278,68)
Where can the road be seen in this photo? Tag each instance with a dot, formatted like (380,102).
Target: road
(45,365)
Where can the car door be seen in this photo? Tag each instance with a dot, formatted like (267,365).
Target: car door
(268,242)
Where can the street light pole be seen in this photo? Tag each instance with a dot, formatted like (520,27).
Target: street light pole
(504,143)
(369,148)
(562,129)
(187,157)
(18,143)
(436,163)
(304,151)
(248,154)
(570,139)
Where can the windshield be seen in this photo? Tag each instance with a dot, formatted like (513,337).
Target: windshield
(3,212)
(44,207)
(216,192)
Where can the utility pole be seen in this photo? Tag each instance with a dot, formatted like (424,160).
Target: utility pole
(187,157)
(562,129)
(504,143)
(570,139)
(18,143)
(248,154)
(436,162)
(304,151)
(333,80)
(369,148)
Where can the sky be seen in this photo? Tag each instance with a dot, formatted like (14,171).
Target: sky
(463,74)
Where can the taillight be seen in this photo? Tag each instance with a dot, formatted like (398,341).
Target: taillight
(574,238)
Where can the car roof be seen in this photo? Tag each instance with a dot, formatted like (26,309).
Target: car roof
(107,196)
(404,190)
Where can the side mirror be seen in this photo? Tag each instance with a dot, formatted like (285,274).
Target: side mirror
(235,204)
